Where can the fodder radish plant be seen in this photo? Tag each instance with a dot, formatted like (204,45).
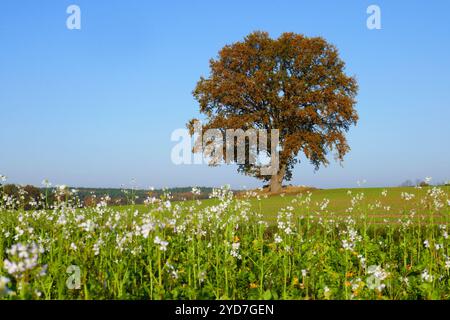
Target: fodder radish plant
(185,250)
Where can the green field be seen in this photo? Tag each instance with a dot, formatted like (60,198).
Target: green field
(380,208)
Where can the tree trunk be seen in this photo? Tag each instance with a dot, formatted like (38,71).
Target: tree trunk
(276,180)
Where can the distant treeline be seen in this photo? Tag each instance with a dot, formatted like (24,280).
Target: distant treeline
(137,196)
(422,183)
(30,197)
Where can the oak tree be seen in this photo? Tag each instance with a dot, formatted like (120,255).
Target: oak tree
(296,84)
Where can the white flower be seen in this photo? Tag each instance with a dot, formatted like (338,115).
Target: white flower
(447,263)
(407,196)
(362,260)
(426,243)
(202,276)
(162,244)
(196,191)
(288,230)
(360,183)
(96,247)
(278,239)
(235,250)
(3,286)
(425,276)
(46,183)
(3,178)
(346,245)
(324,204)
(377,275)
(22,259)
(88,225)
(377,272)
(146,228)
(173,271)
(405,280)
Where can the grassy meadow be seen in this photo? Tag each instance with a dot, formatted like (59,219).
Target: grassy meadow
(380,208)
(365,243)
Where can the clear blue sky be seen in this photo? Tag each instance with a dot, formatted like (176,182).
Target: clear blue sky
(96,106)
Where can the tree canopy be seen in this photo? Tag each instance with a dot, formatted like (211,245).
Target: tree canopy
(296,84)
